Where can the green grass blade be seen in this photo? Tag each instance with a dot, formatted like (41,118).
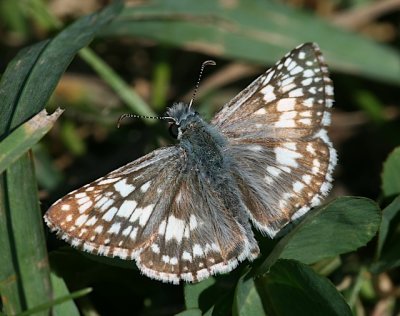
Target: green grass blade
(388,215)
(259,31)
(12,82)
(12,85)
(191,312)
(127,94)
(391,174)
(247,300)
(26,233)
(60,290)
(29,83)
(55,302)
(25,136)
(192,292)
(25,87)
(10,289)
(388,248)
(41,13)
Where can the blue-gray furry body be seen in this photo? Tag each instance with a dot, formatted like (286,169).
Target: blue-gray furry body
(208,160)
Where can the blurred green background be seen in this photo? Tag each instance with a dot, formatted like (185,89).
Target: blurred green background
(146,56)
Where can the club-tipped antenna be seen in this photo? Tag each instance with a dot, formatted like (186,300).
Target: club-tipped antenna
(123,116)
(206,63)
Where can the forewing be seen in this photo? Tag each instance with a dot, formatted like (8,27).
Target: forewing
(118,214)
(277,132)
(156,211)
(292,99)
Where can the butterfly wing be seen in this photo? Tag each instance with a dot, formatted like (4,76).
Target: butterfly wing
(199,237)
(277,133)
(154,211)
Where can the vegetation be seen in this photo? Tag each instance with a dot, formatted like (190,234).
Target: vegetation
(341,259)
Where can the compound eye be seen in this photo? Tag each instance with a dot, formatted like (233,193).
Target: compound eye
(174,130)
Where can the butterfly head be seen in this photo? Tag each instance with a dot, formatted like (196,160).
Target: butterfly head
(181,116)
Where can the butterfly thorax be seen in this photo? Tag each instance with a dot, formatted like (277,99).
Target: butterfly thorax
(203,144)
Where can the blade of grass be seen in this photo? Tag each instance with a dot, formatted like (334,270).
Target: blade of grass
(355,291)
(20,87)
(390,174)
(192,292)
(12,82)
(43,17)
(127,94)
(259,31)
(60,289)
(57,301)
(388,214)
(25,136)
(25,220)
(10,290)
(26,85)
(14,18)
(161,79)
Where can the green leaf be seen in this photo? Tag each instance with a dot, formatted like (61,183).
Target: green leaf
(292,288)
(388,214)
(212,296)
(222,304)
(391,174)
(388,250)
(60,289)
(192,292)
(258,31)
(190,312)
(12,85)
(247,299)
(341,226)
(25,87)
(25,136)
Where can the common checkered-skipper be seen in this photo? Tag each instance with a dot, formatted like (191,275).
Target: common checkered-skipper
(183,212)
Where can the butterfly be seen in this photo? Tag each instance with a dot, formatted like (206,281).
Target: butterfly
(184,212)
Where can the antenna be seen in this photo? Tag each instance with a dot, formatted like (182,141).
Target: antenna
(203,65)
(206,63)
(123,116)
